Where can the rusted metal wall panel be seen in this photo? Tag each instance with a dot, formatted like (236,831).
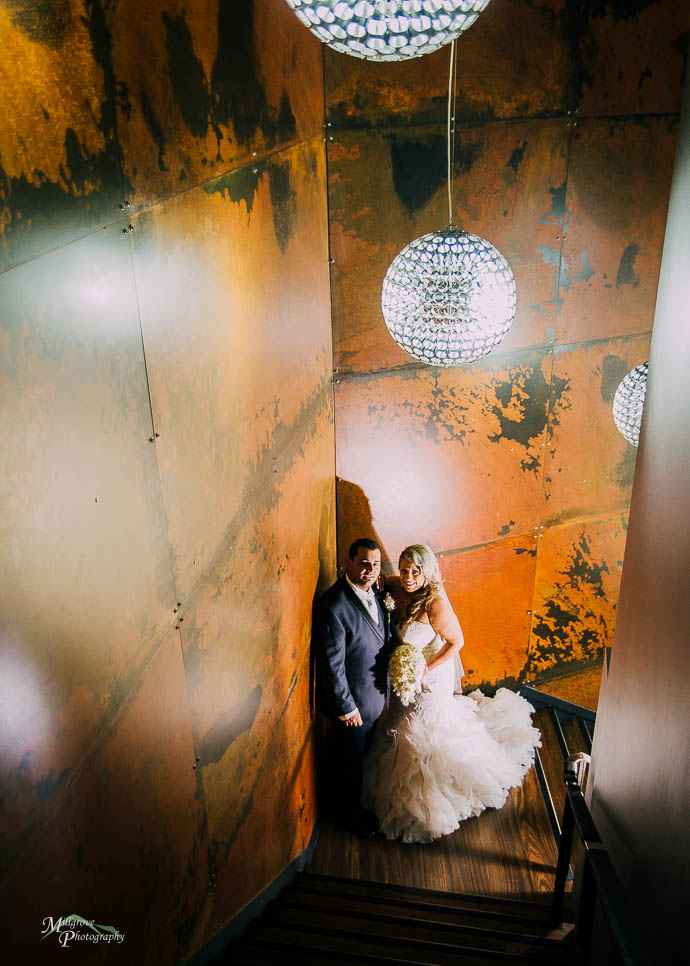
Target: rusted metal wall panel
(207,85)
(246,640)
(527,59)
(575,593)
(282,813)
(516,60)
(84,559)
(589,465)
(631,56)
(59,165)
(619,178)
(388,188)
(451,457)
(112,104)
(495,623)
(234,295)
(123,846)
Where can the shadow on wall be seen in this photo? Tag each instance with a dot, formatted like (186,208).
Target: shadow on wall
(355,521)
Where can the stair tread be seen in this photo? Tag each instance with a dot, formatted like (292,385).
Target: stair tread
(374,924)
(398,950)
(244,952)
(423,910)
(364,887)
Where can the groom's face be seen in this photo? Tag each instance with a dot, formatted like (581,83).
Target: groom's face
(364,567)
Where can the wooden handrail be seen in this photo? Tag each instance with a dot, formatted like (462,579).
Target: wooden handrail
(599,878)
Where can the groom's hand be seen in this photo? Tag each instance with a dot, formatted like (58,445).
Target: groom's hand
(355,721)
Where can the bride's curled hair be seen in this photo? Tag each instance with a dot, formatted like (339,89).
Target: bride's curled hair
(423,556)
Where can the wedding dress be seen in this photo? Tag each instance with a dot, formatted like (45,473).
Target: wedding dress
(444,757)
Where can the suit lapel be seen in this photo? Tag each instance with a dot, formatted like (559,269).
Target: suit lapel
(356,602)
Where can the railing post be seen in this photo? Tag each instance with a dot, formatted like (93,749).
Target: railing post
(564,852)
(585,917)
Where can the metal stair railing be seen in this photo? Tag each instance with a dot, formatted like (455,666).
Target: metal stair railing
(599,877)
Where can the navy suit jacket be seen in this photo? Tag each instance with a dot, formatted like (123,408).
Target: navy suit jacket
(351,653)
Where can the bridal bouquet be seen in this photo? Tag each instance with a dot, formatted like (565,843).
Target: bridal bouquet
(406,669)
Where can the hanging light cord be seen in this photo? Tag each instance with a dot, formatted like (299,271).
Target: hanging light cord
(450,135)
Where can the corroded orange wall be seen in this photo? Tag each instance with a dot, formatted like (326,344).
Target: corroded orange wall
(167,497)
(512,468)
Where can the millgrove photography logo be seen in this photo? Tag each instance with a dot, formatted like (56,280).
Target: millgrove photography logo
(72,929)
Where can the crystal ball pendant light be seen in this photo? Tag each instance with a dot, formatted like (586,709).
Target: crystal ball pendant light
(628,403)
(448,298)
(387,29)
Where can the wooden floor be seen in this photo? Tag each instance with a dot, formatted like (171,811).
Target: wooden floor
(508,853)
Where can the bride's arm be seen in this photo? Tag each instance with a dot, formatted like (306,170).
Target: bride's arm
(446,624)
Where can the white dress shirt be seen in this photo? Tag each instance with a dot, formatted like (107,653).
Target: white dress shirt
(368,598)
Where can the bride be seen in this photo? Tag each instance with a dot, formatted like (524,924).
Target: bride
(444,757)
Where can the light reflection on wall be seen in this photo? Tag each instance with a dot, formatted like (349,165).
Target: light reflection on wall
(24,712)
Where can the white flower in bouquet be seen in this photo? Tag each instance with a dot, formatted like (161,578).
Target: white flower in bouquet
(406,669)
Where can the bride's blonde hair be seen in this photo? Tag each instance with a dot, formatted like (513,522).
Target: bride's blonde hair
(422,556)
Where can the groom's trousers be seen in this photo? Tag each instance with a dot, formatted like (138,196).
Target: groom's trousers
(352,744)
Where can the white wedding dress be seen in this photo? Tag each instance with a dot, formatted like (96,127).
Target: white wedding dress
(445,757)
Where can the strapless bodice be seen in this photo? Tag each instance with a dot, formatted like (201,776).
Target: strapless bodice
(423,637)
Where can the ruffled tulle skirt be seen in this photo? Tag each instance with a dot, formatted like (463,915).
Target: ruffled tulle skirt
(446,758)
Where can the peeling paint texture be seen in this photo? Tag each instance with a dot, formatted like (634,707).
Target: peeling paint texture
(509,467)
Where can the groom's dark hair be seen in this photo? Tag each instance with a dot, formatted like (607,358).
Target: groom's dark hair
(362,542)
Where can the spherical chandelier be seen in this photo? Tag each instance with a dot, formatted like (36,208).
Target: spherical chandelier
(387,29)
(448,298)
(628,403)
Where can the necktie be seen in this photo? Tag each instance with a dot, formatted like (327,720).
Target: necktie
(371,607)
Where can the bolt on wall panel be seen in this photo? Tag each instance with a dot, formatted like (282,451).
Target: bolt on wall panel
(589,465)
(448,457)
(84,564)
(606,273)
(59,166)
(234,295)
(514,61)
(575,593)
(207,85)
(387,189)
(131,812)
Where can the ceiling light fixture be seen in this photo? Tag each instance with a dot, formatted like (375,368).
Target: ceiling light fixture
(628,403)
(448,298)
(387,29)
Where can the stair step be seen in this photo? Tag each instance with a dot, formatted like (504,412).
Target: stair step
(249,952)
(388,892)
(390,948)
(436,911)
(453,935)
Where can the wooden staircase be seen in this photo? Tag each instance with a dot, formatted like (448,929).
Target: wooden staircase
(325,919)
(330,919)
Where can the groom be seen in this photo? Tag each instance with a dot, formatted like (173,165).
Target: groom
(351,639)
